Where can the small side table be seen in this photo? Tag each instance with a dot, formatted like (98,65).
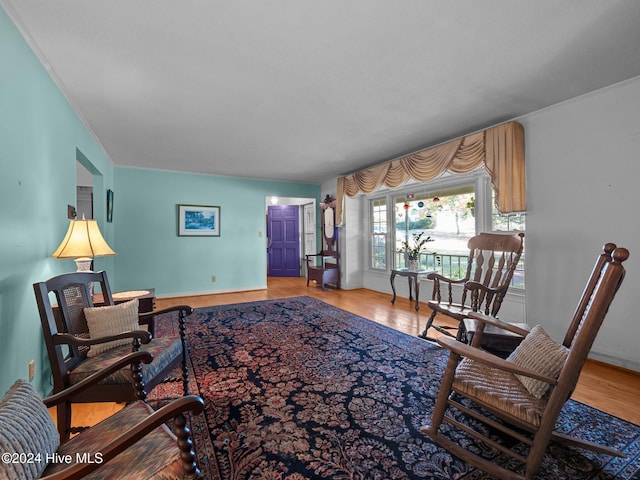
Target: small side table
(146,298)
(496,340)
(414,280)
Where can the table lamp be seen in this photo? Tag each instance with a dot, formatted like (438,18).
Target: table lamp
(83,242)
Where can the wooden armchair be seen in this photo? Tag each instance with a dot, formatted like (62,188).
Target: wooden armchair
(492,262)
(133,443)
(324,267)
(72,350)
(528,389)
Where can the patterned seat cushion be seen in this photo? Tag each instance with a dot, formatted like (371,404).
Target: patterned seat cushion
(156,456)
(164,351)
(26,428)
(498,388)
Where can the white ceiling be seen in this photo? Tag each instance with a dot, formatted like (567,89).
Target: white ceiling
(303,90)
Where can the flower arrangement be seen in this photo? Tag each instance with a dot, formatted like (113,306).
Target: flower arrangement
(471,204)
(471,207)
(413,253)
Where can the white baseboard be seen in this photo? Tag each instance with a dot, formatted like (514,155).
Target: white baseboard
(623,362)
(211,292)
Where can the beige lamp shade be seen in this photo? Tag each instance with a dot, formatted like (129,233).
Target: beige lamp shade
(83,239)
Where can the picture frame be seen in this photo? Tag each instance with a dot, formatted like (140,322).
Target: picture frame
(109,206)
(198,221)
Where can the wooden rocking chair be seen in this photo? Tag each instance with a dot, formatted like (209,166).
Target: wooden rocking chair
(492,262)
(528,389)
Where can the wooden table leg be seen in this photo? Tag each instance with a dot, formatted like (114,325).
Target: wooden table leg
(393,287)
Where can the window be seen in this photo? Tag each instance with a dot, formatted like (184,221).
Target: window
(445,215)
(450,211)
(508,222)
(379,234)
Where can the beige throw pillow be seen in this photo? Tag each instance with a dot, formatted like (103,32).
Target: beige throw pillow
(27,433)
(111,320)
(540,353)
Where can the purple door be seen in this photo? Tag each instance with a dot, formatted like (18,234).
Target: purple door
(284,241)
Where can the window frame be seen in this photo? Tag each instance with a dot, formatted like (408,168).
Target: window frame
(483,210)
(372,234)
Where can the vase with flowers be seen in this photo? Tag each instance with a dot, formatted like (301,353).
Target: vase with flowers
(412,252)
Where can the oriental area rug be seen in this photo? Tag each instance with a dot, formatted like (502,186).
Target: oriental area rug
(297,389)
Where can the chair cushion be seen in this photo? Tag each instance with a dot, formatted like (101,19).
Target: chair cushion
(498,389)
(164,350)
(540,353)
(111,320)
(155,456)
(26,428)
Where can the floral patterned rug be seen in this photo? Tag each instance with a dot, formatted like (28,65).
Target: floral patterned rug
(298,389)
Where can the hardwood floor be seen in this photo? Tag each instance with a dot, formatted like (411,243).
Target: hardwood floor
(606,387)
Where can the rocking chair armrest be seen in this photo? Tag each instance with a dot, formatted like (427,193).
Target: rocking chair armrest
(189,403)
(489,320)
(146,317)
(486,358)
(142,356)
(67,339)
(439,278)
(473,285)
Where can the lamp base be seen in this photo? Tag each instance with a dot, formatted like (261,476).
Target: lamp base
(83,264)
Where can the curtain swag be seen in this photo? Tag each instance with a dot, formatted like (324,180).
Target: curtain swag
(500,149)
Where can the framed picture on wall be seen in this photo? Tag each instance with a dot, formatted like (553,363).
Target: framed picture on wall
(198,221)
(109,205)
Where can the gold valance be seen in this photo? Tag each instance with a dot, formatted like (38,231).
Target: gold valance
(500,149)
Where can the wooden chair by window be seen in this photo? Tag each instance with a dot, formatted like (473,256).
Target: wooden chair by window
(324,267)
(492,261)
(527,391)
(133,443)
(75,353)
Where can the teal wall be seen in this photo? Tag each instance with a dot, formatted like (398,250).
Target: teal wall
(151,254)
(41,141)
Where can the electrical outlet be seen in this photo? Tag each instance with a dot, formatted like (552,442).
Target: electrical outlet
(32,369)
(213,278)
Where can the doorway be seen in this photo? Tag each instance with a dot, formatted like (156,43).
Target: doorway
(84,192)
(291,234)
(283,232)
